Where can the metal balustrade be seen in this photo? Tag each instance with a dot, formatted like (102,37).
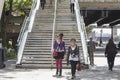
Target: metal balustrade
(26,28)
(53,34)
(82,31)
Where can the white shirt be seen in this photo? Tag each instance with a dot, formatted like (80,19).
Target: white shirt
(73,58)
(72,1)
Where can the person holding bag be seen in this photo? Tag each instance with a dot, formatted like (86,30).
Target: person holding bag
(73,56)
(59,52)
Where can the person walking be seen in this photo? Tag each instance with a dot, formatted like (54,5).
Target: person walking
(91,50)
(59,47)
(43,2)
(73,56)
(119,45)
(72,5)
(110,53)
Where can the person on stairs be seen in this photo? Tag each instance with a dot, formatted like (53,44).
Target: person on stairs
(73,56)
(59,47)
(43,2)
(72,5)
(110,53)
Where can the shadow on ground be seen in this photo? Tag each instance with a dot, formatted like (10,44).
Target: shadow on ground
(99,73)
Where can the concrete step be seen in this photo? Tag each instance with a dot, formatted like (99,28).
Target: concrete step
(40,48)
(41,51)
(35,39)
(43,66)
(40,62)
(45,45)
(65,37)
(41,35)
(40,32)
(37,53)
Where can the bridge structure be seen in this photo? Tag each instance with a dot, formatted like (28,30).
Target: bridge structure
(101,12)
(57,18)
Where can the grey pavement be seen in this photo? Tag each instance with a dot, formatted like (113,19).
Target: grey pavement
(99,72)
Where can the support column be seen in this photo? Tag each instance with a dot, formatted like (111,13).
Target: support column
(111,32)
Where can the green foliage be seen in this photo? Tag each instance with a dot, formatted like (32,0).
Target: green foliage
(11,54)
(10,43)
(19,6)
(116,38)
(89,30)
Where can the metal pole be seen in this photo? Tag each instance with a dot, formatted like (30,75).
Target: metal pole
(101,37)
(111,32)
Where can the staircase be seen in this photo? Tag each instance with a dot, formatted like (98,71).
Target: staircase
(37,51)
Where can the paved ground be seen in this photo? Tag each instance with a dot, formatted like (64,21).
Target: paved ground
(100,72)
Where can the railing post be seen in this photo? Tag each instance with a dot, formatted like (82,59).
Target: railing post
(53,34)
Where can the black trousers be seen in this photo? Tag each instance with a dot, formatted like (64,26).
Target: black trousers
(72,8)
(42,5)
(73,67)
(111,60)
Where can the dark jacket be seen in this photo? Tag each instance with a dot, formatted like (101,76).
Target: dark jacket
(75,52)
(111,49)
(119,45)
(43,1)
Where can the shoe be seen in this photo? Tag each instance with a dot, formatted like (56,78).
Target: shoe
(111,69)
(72,78)
(57,71)
(60,72)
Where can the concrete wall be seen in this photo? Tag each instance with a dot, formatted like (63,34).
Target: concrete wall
(1,7)
(99,0)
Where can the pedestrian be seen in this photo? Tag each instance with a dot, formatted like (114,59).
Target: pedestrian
(72,5)
(73,56)
(91,50)
(51,1)
(43,2)
(119,45)
(110,53)
(59,47)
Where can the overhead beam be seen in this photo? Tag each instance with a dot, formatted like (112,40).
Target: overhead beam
(114,21)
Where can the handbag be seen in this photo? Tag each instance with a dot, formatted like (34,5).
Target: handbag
(79,67)
(55,54)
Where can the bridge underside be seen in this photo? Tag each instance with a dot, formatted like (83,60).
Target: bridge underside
(101,13)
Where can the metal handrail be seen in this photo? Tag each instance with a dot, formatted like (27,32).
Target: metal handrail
(22,31)
(27,27)
(53,34)
(81,30)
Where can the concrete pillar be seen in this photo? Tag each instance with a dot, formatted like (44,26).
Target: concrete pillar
(1,5)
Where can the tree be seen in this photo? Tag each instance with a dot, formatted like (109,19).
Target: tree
(13,8)
(18,6)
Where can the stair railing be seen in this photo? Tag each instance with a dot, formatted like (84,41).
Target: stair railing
(53,33)
(26,28)
(2,5)
(82,31)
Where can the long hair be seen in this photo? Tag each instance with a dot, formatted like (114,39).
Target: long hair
(110,41)
(61,35)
